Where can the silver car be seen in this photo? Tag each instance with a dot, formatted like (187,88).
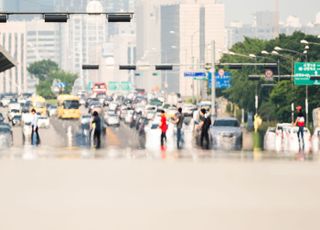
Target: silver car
(112,120)
(226,134)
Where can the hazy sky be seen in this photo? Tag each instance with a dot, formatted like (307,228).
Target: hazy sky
(244,9)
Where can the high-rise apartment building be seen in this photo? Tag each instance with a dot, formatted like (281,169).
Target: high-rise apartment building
(83,37)
(185,31)
(13,39)
(43,41)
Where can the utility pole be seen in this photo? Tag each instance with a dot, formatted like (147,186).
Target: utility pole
(213,81)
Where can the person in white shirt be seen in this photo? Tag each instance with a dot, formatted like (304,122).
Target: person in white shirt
(34,125)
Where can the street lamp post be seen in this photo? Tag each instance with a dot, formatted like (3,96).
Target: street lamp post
(213,81)
(307,42)
(307,89)
(192,57)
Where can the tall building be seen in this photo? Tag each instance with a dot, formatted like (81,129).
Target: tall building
(263,27)
(148,38)
(265,24)
(13,39)
(43,41)
(186,30)
(83,37)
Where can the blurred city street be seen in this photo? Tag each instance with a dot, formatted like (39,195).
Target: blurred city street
(159,115)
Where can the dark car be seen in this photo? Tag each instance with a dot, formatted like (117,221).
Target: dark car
(91,100)
(1,118)
(16,120)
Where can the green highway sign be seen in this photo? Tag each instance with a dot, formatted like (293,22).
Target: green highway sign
(304,70)
(126,86)
(120,86)
(113,86)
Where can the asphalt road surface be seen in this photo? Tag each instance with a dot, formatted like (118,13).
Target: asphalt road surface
(126,194)
(63,184)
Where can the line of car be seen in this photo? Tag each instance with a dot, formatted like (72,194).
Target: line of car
(284,137)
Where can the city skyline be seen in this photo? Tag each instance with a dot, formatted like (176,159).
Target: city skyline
(245,14)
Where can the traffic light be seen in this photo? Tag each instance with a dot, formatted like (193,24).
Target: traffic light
(3,18)
(90,67)
(56,17)
(164,67)
(127,67)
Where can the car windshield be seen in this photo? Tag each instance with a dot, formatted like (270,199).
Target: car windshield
(4,129)
(101,96)
(228,123)
(40,104)
(72,104)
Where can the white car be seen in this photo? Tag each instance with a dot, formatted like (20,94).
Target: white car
(113,106)
(12,113)
(52,110)
(279,146)
(188,109)
(14,105)
(112,120)
(5,101)
(43,122)
(82,101)
(269,141)
(85,119)
(291,141)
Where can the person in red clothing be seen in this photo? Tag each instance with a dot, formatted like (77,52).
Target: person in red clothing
(164,127)
(300,122)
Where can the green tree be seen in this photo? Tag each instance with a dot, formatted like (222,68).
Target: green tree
(65,77)
(41,69)
(47,71)
(275,103)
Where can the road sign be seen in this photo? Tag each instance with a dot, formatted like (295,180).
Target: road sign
(113,85)
(138,74)
(195,74)
(120,86)
(304,70)
(221,81)
(268,75)
(126,86)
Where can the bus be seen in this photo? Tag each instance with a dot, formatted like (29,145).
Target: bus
(39,104)
(68,107)
(99,88)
